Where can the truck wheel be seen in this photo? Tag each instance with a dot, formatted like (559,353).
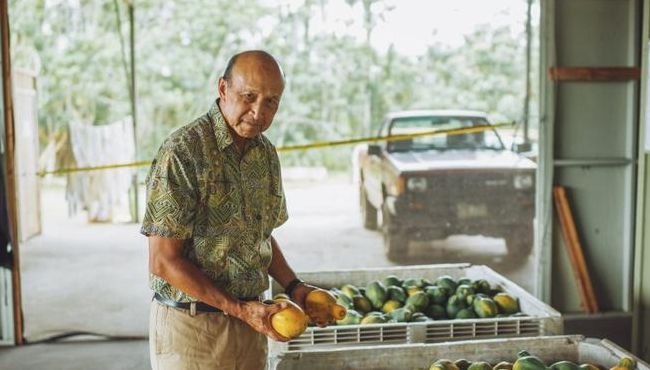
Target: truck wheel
(519,244)
(368,211)
(395,244)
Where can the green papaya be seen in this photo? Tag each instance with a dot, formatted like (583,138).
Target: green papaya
(482,286)
(466,313)
(396,293)
(564,365)
(412,283)
(437,294)
(373,319)
(392,280)
(480,365)
(419,301)
(401,314)
(485,307)
(410,307)
(447,282)
(350,290)
(463,291)
(454,304)
(443,364)
(526,361)
(436,312)
(345,301)
(362,304)
(376,293)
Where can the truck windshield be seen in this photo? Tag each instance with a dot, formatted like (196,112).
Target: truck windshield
(488,139)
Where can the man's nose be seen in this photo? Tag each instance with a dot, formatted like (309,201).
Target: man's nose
(256,110)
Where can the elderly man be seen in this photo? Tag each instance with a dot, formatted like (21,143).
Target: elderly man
(214,196)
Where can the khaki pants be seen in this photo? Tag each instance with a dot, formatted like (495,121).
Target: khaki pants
(180,341)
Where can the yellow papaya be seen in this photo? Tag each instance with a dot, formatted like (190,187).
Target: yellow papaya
(627,363)
(503,365)
(322,307)
(289,322)
(506,303)
(443,364)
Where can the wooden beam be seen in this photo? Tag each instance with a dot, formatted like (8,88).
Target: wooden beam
(594,74)
(574,249)
(7,99)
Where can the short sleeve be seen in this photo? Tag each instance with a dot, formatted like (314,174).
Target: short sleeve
(283,214)
(171,196)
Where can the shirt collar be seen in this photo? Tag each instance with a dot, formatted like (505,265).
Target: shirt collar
(221,132)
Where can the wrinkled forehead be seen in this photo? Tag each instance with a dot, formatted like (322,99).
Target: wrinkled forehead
(258,74)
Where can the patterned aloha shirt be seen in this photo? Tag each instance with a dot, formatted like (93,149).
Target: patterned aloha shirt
(222,204)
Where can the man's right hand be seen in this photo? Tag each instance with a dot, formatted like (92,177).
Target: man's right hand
(258,316)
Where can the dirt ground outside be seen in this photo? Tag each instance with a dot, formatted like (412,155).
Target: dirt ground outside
(79,276)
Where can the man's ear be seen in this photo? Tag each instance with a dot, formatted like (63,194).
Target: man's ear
(222,86)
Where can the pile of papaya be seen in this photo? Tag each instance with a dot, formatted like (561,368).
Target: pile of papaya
(526,361)
(420,300)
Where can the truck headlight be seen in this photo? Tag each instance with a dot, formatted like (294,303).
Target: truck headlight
(523,181)
(417,184)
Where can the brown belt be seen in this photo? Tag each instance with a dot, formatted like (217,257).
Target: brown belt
(199,306)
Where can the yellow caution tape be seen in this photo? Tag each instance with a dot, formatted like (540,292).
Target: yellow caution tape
(456,131)
(62,171)
(290,148)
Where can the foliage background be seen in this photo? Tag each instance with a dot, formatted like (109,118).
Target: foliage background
(338,86)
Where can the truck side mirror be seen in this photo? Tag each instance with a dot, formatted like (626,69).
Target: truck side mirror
(374,149)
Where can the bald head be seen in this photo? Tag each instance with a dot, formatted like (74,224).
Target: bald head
(258,57)
(250,92)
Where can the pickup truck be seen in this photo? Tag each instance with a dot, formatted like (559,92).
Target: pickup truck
(430,187)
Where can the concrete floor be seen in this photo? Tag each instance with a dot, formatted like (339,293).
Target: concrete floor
(80,355)
(92,277)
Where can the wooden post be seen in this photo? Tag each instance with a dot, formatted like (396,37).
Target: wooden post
(574,249)
(134,111)
(7,98)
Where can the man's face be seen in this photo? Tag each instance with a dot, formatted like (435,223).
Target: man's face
(251,98)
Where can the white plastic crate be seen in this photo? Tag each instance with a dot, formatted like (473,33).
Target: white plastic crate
(406,357)
(541,319)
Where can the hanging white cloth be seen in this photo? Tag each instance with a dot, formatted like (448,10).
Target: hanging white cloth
(101,193)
